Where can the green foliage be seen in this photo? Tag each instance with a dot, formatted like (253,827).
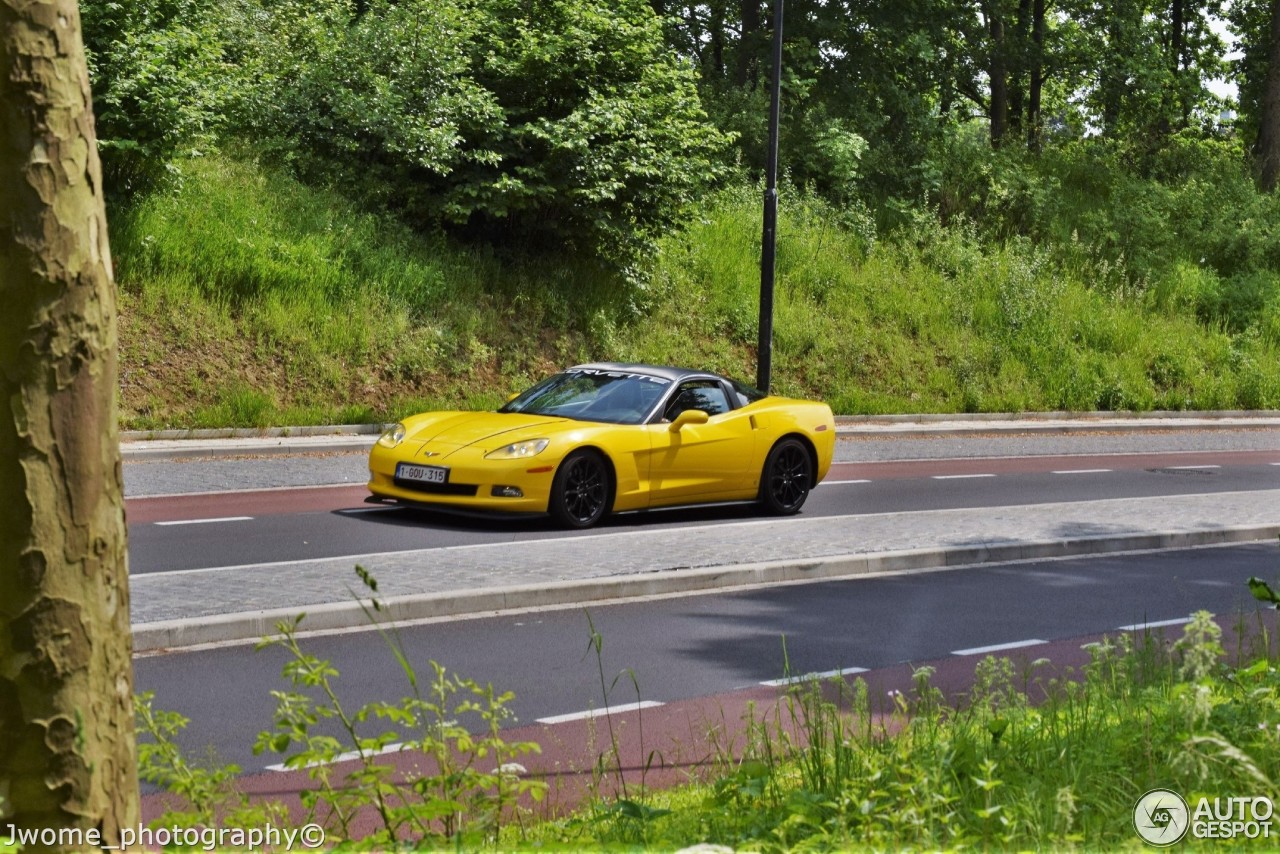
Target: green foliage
(373,94)
(207,792)
(946,319)
(297,307)
(161,84)
(451,725)
(1033,759)
(603,141)
(450,793)
(554,125)
(294,306)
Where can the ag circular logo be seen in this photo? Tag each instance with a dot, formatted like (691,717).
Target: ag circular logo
(1161,817)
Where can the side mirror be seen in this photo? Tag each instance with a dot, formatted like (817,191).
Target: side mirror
(689,416)
(512,396)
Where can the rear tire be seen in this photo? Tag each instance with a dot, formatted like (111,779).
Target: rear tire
(787,478)
(582,492)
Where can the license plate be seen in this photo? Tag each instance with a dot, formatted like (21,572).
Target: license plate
(422,474)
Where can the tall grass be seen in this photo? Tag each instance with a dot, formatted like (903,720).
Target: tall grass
(250,299)
(933,319)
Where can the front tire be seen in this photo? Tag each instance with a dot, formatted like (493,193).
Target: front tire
(787,478)
(582,491)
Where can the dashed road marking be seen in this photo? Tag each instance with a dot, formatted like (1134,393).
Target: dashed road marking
(341,757)
(1000,647)
(843,482)
(207,521)
(1082,471)
(595,713)
(959,476)
(813,677)
(1137,627)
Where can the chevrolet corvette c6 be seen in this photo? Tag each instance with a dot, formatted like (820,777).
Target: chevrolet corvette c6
(609,438)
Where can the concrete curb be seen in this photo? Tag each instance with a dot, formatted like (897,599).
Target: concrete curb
(175,634)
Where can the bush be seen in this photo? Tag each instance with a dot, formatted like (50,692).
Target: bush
(161,84)
(546,126)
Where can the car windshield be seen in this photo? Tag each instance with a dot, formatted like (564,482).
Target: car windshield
(592,394)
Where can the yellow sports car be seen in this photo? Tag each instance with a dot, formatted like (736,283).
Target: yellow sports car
(609,437)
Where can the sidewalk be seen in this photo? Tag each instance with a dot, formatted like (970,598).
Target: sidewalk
(243,603)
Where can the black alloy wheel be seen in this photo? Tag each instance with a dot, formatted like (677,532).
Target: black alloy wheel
(787,478)
(581,493)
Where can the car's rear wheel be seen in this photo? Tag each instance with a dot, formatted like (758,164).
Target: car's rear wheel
(787,478)
(582,490)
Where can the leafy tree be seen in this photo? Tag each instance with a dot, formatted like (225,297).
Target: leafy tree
(162,83)
(66,703)
(373,93)
(548,124)
(1257,25)
(603,138)
(1145,65)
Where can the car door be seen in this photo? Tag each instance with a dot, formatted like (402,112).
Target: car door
(700,462)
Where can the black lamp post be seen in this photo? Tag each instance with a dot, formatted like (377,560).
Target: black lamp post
(764,348)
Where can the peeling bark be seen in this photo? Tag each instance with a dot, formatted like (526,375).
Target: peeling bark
(66,716)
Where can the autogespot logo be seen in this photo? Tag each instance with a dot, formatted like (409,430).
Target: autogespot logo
(1161,817)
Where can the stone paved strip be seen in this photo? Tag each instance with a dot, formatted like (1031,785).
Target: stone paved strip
(203,606)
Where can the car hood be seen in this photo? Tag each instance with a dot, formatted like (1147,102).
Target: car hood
(448,431)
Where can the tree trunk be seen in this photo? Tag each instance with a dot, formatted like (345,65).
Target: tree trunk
(746,72)
(1016,69)
(1112,84)
(67,760)
(1268,148)
(997,71)
(1036,78)
(716,25)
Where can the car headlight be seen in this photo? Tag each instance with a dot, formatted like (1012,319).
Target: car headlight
(393,436)
(519,450)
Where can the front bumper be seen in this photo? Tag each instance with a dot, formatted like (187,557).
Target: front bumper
(474,483)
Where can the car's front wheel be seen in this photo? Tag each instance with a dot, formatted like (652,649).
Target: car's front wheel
(582,491)
(787,478)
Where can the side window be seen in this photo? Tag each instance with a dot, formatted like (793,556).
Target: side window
(706,395)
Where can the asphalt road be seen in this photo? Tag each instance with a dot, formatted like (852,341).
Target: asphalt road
(673,649)
(325,516)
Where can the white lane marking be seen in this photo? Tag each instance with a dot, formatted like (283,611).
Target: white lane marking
(813,677)
(207,521)
(959,476)
(613,537)
(594,713)
(1081,471)
(1000,647)
(1137,627)
(861,480)
(351,511)
(341,757)
(1193,467)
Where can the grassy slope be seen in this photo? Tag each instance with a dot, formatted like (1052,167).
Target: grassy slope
(250,300)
